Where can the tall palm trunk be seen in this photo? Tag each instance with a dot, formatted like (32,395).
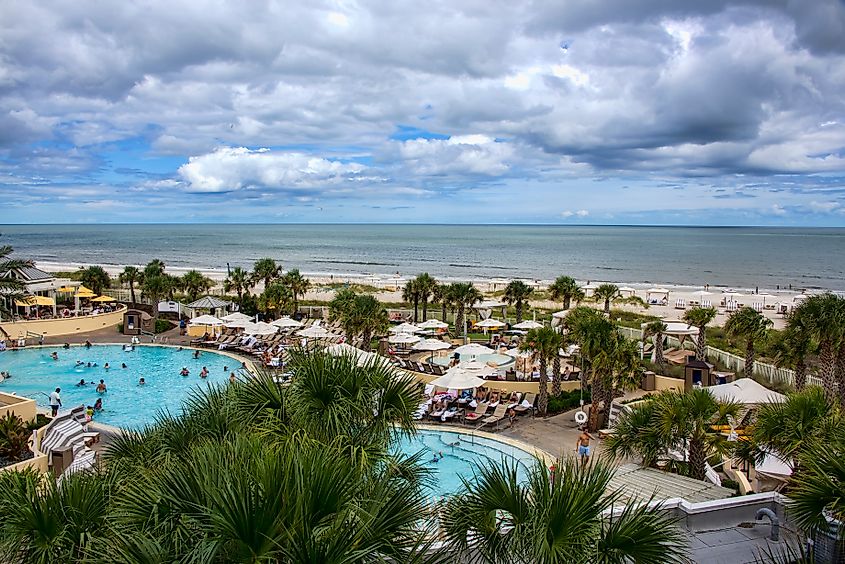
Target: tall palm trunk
(749,358)
(597,393)
(556,375)
(367,338)
(840,374)
(425,309)
(443,311)
(567,301)
(827,363)
(416,308)
(132,292)
(543,397)
(658,352)
(459,320)
(800,374)
(519,307)
(697,459)
(607,306)
(701,345)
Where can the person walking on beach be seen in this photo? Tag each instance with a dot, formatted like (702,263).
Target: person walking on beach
(582,445)
(55,401)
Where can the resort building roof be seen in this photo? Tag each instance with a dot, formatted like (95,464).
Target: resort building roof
(636,483)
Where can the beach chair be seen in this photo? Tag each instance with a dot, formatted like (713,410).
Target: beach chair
(680,303)
(480,411)
(526,405)
(731,307)
(499,415)
(758,307)
(706,304)
(616,409)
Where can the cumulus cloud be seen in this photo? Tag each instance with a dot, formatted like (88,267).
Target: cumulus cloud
(229,169)
(577,213)
(463,154)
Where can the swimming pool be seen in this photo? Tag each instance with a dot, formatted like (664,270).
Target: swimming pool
(462,453)
(500,360)
(126,404)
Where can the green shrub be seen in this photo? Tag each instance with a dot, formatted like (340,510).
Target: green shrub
(120,328)
(14,437)
(40,421)
(163,325)
(567,400)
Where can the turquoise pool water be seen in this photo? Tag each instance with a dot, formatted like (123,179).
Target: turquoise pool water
(501,360)
(462,453)
(125,404)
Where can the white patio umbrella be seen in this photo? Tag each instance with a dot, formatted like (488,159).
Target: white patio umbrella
(745,391)
(766,296)
(260,328)
(239,323)
(433,324)
(457,379)
(528,325)
(490,323)
(206,320)
(405,328)
(314,332)
(473,349)
(560,314)
(285,322)
(431,345)
(403,339)
(477,367)
(237,316)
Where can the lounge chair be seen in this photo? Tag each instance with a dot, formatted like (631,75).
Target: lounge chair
(65,431)
(680,303)
(526,405)
(616,409)
(706,303)
(479,412)
(498,416)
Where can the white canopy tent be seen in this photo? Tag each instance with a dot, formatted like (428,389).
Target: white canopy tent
(485,308)
(457,379)
(657,293)
(745,391)
(627,290)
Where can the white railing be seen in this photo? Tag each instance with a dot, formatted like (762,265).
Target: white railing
(735,362)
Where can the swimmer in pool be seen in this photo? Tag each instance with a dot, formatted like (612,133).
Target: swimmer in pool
(54,355)
(141,382)
(204,372)
(81,382)
(184,371)
(106,366)
(101,387)
(123,365)
(79,363)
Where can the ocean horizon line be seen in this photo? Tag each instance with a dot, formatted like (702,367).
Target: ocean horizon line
(429,224)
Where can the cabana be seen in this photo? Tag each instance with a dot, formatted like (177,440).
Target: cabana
(657,296)
(209,303)
(485,308)
(745,391)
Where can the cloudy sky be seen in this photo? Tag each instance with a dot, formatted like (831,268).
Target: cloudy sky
(620,111)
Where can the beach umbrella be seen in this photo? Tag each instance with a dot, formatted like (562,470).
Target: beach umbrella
(403,339)
(286,322)
(431,345)
(404,328)
(458,379)
(745,391)
(35,301)
(433,324)
(66,290)
(103,299)
(206,320)
(237,316)
(83,292)
(766,296)
(239,323)
(560,314)
(490,323)
(473,349)
(314,332)
(528,325)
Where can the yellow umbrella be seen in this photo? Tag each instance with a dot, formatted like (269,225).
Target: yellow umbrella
(84,292)
(103,299)
(66,290)
(35,300)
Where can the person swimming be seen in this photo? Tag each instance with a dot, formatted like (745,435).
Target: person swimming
(79,363)
(81,382)
(141,382)
(54,355)
(123,365)
(101,387)
(106,366)
(88,365)
(98,405)
(196,354)
(204,372)
(184,371)
(438,456)
(232,378)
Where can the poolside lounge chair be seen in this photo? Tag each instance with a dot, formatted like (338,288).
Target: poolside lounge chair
(498,416)
(616,409)
(526,405)
(479,412)
(65,431)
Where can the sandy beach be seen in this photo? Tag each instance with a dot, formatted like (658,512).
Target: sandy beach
(390,290)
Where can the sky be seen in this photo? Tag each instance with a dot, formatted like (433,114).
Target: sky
(477,111)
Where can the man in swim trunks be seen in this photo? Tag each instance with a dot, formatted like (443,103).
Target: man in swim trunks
(582,445)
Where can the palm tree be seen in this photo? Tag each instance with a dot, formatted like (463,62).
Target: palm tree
(557,515)
(606,293)
(276,297)
(131,275)
(816,493)
(463,295)
(566,289)
(822,319)
(442,295)
(298,285)
(699,317)
(265,270)
(594,334)
(411,295)
(96,278)
(753,327)
(791,350)
(195,283)
(341,304)
(675,421)
(10,288)
(156,288)
(517,292)
(543,342)
(426,286)
(656,329)
(365,316)
(154,268)
(620,368)
(239,281)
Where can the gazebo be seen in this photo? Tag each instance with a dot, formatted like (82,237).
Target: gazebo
(209,303)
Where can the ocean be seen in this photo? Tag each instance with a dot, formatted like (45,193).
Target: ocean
(761,257)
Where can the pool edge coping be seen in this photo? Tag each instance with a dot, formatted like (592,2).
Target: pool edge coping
(546,457)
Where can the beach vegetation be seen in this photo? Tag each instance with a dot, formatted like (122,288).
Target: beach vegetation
(14,439)
(675,430)
(239,282)
(555,516)
(411,295)
(297,284)
(517,294)
(194,283)
(156,288)
(265,270)
(11,289)
(543,343)
(566,400)
(276,298)
(608,294)
(359,315)
(130,276)
(154,268)
(656,329)
(426,285)
(566,290)
(821,318)
(441,294)
(95,278)
(751,327)
(791,348)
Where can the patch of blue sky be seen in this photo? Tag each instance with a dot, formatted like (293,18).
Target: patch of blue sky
(406,132)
